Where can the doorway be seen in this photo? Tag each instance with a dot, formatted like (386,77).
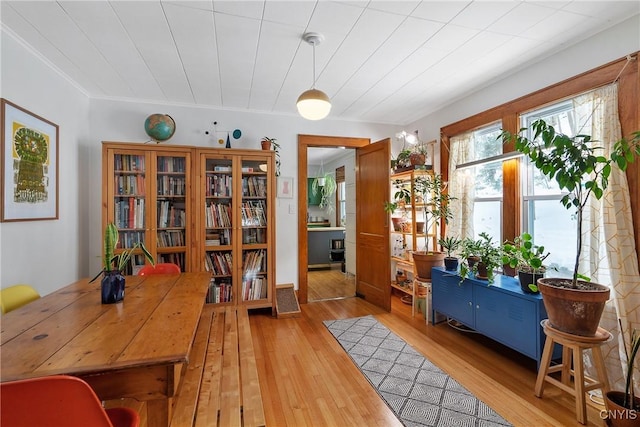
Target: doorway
(304,142)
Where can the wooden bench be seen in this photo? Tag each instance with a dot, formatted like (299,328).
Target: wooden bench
(219,386)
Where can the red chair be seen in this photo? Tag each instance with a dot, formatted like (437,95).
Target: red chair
(58,400)
(160,268)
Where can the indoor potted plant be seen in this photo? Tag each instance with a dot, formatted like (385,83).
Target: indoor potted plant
(401,197)
(430,188)
(266,144)
(450,245)
(113,281)
(526,258)
(488,257)
(573,306)
(624,407)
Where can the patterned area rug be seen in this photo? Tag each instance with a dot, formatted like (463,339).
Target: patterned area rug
(418,392)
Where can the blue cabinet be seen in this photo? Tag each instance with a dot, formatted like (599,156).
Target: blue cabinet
(500,311)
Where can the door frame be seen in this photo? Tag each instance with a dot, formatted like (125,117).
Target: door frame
(305,141)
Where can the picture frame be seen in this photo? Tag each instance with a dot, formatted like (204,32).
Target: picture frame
(285,187)
(29,158)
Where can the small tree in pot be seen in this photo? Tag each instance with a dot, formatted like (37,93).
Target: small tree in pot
(430,189)
(573,306)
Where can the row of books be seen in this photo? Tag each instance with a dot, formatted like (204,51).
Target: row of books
(254,288)
(219,168)
(254,235)
(219,186)
(254,213)
(129,213)
(218,237)
(219,291)
(171,164)
(170,238)
(254,186)
(128,163)
(171,185)
(218,215)
(175,258)
(253,262)
(128,239)
(129,185)
(171,214)
(219,263)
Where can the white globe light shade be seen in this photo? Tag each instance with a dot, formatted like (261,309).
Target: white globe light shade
(314,104)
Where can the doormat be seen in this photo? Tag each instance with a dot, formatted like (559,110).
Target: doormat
(417,391)
(286,301)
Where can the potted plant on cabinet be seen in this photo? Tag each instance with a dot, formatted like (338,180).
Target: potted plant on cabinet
(450,245)
(573,306)
(113,282)
(430,188)
(624,407)
(526,258)
(488,257)
(266,144)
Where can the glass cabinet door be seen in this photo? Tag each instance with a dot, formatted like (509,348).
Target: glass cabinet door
(254,221)
(172,209)
(130,203)
(219,222)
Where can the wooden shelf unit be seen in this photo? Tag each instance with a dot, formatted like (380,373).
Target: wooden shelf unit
(203,209)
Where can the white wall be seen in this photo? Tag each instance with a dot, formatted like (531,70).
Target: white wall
(48,254)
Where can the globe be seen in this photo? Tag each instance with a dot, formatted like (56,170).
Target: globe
(160,127)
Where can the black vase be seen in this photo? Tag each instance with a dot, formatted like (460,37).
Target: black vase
(112,286)
(527,278)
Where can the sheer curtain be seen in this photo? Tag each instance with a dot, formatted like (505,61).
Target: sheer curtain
(461,186)
(609,253)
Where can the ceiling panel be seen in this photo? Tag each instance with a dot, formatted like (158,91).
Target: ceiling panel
(386,61)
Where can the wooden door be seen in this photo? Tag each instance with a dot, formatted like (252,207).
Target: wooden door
(373,278)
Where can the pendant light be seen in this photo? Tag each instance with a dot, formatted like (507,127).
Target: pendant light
(313,104)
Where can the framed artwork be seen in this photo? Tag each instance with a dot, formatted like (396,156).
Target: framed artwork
(29,157)
(285,187)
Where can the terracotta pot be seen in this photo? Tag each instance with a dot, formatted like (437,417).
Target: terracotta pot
(574,311)
(618,415)
(266,145)
(417,159)
(397,223)
(425,261)
(419,227)
(482,271)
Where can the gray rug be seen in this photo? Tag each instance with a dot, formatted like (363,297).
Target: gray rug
(418,392)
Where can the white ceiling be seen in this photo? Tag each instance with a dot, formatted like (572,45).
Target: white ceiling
(381,61)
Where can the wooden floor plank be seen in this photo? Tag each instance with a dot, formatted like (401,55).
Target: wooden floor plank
(209,399)
(252,410)
(230,384)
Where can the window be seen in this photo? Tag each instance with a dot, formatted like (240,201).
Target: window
(544,217)
(341,197)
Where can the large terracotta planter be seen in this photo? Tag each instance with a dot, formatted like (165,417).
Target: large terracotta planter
(574,311)
(424,261)
(618,415)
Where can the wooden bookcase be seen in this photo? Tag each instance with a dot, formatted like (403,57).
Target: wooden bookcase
(203,209)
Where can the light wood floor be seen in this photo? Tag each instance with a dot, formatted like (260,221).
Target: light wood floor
(306,378)
(329,284)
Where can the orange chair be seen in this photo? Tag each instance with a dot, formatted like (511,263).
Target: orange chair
(58,400)
(160,268)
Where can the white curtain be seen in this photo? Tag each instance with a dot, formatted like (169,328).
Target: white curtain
(608,252)
(461,186)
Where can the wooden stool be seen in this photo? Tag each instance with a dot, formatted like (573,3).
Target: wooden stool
(572,346)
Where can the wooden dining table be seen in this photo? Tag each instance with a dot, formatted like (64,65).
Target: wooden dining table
(131,349)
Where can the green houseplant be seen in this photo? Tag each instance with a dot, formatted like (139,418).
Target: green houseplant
(401,197)
(483,256)
(527,258)
(266,144)
(326,186)
(430,189)
(573,306)
(450,244)
(624,407)
(113,264)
